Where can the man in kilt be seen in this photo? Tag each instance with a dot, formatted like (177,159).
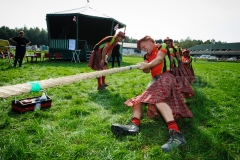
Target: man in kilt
(101,53)
(178,69)
(163,97)
(187,61)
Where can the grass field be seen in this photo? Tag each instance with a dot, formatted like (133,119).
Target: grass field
(77,126)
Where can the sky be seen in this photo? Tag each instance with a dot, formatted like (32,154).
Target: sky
(199,20)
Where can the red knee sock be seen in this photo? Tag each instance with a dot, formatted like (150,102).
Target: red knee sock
(136,121)
(99,81)
(172,125)
(103,79)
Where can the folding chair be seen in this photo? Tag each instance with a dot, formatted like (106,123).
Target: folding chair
(38,55)
(47,55)
(58,56)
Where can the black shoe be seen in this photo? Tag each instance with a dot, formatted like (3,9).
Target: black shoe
(176,139)
(101,87)
(129,129)
(105,85)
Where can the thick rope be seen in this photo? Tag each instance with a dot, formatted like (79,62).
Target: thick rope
(8,91)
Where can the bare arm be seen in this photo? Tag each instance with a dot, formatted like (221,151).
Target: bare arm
(156,61)
(104,52)
(109,54)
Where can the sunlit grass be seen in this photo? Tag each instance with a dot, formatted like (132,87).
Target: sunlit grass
(77,126)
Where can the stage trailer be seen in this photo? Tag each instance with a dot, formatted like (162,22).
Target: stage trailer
(78,29)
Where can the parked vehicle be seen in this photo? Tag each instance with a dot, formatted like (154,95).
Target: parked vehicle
(232,59)
(204,56)
(213,58)
(28,48)
(35,48)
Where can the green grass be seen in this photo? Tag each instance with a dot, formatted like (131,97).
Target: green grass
(77,126)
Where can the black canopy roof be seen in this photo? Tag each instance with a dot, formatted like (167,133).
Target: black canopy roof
(90,25)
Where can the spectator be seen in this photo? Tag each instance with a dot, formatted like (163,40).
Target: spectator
(116,53)
(21,43)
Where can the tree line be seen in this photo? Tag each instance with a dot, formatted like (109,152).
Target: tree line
(35,35)
(184,43)
(40,37)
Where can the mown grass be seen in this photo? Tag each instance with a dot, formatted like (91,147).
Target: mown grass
(77,126)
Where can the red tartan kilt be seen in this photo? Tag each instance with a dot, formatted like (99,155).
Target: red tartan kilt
(175,71)
(183,83)
(182,69)
(94,61)
(185,87)
(190,76)
(186,72)
(164,90)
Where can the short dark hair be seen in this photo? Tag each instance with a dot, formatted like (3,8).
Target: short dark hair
(146,38)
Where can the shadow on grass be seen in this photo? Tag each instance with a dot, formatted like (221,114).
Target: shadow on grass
(114,101)
(199,83)
(6,66)
(202,141)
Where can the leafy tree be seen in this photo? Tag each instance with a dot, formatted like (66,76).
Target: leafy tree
(35,35)
(159,41)
(130,40)
(40,37)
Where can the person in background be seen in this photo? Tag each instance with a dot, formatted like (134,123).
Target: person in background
(178,70)
(21,43)
(173,56)
(164,96)
(185,87)
(116,53)
(195,58)
(187,61)
(101,53)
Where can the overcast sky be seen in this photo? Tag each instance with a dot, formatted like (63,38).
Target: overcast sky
(197,19)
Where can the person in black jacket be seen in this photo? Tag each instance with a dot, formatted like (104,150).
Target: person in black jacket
(21,42)
(116,53)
